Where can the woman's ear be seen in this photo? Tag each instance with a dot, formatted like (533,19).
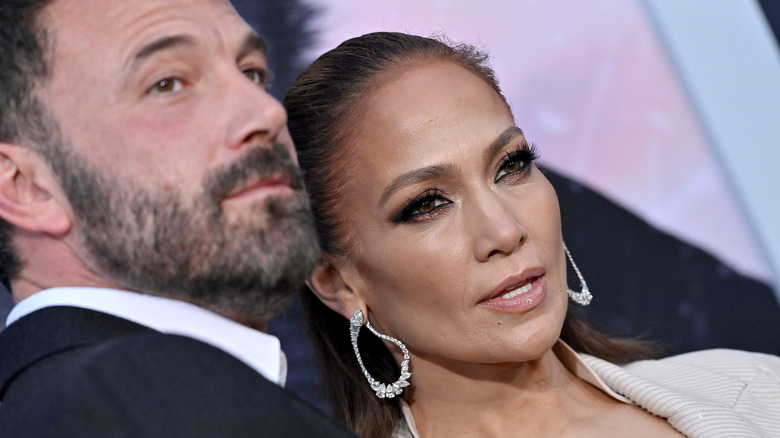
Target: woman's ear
(30,196)
(328,283)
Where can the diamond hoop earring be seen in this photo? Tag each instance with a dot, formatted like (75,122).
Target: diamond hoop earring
(583,297)
(382,390)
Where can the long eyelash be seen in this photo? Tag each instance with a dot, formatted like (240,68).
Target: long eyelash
(405,215)
(526,153)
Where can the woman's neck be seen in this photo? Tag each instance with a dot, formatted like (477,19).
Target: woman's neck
(534,398)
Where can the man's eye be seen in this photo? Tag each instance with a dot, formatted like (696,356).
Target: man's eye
(256,76)
(167,85)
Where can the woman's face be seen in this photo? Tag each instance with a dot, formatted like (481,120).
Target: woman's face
(459,245)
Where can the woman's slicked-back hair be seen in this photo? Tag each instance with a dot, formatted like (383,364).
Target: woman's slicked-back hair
(327,99)
(324,106)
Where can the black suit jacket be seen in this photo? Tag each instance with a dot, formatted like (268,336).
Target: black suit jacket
(69,372)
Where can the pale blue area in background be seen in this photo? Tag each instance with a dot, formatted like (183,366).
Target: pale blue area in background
(729,63)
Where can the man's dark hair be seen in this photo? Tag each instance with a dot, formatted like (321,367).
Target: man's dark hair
(23,64)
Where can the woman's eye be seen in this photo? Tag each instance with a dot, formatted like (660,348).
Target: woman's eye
(517,162)
(511,166)
(421,206)
(428,205)
(167,85)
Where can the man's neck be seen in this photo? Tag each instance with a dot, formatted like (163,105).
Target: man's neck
(53,262)
(257,324)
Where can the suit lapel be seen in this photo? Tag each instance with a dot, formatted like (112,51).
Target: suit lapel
(695,401)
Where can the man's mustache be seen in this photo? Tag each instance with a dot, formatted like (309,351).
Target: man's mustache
(258,163)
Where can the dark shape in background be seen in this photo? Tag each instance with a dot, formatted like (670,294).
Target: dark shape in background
(645,282)
(771,10)
(287,25)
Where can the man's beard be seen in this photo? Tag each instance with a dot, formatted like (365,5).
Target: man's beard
(154,242)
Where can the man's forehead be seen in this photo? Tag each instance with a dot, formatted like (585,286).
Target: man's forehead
(121,25)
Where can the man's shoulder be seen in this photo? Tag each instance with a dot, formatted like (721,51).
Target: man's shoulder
(147,383)
(49,332)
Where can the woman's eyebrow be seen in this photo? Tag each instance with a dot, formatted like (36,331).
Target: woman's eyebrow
(501,141)
(446,170)
(418,175)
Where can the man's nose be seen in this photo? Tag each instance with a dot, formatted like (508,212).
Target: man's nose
(256,116)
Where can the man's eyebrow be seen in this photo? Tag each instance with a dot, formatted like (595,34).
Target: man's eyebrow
(501,141)
(416,176)
(253,43)
(159,45)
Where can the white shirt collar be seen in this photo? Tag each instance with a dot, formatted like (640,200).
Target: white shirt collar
(259,350)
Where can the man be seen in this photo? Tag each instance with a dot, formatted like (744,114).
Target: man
(149,198)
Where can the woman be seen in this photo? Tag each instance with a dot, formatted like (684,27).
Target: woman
(439,231)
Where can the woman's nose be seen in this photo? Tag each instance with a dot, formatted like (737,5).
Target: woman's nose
(496,227)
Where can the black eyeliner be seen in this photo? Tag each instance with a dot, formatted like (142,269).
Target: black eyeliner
(406,214)
(525,154)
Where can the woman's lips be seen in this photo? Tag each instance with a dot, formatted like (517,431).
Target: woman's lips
(519,290)
(520,295)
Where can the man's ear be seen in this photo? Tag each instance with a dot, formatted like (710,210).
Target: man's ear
(30,196)
(328,283)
